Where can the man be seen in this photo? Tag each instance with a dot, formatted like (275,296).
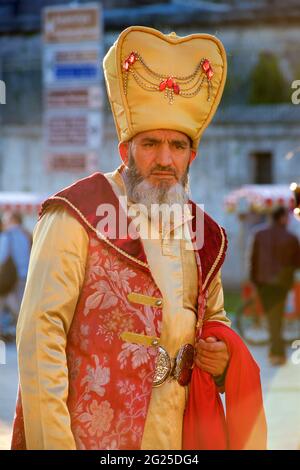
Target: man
(275,256)
(110,315)
(15,242)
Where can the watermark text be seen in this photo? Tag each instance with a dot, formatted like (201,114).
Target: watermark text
(2,92)
(295,357)
(296,94)
(2,352)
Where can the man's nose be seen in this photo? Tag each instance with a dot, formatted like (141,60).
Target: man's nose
(164,155)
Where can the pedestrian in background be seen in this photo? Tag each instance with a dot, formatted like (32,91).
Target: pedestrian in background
(15,246)
(275,255)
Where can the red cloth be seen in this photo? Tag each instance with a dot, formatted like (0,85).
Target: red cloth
(205,426)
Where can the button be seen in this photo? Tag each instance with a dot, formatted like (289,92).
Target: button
(143,299)
(158,302)
(155,342)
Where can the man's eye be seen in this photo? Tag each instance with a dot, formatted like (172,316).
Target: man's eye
(149,144)
(178,146)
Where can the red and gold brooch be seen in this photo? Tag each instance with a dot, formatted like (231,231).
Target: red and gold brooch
(186,86)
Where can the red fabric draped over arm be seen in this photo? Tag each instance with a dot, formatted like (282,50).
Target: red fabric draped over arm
(205,426)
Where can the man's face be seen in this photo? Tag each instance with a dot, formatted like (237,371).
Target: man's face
(161,156)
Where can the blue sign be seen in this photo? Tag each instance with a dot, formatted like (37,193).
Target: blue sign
(77,71)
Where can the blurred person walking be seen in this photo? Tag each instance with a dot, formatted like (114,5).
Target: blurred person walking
(275,255)
(15,245)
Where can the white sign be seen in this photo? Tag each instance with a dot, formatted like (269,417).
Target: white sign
(72,160)
(69,128)
(72,87)
(75,97)
(72,24)
(72,63)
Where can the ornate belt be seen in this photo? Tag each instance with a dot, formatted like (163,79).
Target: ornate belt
(179,368)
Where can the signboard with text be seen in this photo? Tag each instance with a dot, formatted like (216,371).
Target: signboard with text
(72,87)
(72,24)
(71,63)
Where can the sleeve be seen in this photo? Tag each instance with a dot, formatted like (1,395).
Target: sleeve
(55,277)
(215,302)
(215,312)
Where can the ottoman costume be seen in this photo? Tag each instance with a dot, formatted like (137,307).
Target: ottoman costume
(107,323)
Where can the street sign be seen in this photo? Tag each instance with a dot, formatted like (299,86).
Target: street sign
(72,24)
(72,78)
(71,161)
(73,128)
(72,63)
(75,97)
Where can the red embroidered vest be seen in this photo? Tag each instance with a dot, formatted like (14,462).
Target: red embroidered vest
(110,380)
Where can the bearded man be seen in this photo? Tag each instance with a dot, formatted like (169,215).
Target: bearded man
(123,340)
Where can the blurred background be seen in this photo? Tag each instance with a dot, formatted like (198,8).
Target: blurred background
(56,126)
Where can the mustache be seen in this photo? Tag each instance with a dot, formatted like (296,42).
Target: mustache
(166,169)
(134,177)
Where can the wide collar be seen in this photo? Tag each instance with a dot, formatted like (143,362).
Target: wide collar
(83,199)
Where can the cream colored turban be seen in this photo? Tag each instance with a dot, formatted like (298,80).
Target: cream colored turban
(158,81)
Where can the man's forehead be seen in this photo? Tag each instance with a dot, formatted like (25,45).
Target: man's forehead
(162,134)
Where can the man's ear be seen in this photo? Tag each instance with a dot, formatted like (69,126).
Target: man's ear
(193,155)
(123,151)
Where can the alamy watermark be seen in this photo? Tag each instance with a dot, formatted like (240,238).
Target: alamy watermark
(295,357)
(188,222)
(2,92)
(2,353)
(296,94)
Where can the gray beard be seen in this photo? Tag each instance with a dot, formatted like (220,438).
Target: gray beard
(141,191)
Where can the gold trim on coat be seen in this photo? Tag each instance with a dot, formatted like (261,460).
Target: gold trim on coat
(216,260)
(99,234)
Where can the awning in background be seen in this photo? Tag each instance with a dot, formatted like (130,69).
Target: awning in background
(23,202)
(259,198)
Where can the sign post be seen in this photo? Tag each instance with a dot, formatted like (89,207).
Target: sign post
(72,87)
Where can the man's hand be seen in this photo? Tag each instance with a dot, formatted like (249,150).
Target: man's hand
(211,355)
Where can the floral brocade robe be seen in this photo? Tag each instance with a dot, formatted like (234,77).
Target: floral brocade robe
(110,379)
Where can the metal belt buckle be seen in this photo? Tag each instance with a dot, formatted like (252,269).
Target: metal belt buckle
(163,367)
(182,369)
(184,362)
